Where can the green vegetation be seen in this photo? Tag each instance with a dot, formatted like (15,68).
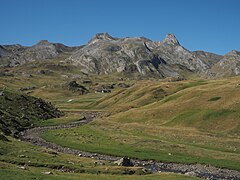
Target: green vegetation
(137,144)
(20,160)
(9,171)
(20,111)
(181,122)
(185,121)
(16,154)
(68,118)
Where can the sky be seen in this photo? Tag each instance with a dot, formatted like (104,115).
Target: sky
(209,25)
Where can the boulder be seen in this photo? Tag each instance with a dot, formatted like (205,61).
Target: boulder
(125,161)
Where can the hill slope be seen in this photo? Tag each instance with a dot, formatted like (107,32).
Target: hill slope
(19,111)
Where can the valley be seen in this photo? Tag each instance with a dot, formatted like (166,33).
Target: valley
(174,121)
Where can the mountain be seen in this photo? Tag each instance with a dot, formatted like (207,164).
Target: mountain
(229,65)
(168,58)
(132,56)
(12,55)
(104,54)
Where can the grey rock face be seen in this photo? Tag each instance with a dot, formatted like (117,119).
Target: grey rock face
(105,54)
(13,55)
(229,65)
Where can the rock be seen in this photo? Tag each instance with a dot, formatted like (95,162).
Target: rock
(47,173)
(23,167)
(27,88)
(51,152)
(123,85)
(101,163)
(44,71)
(86,81)
(14,55)
(228,65)
(75,87)
(125,161)
(105,54)
(22,156)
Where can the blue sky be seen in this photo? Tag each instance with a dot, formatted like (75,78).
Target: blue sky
(210,25)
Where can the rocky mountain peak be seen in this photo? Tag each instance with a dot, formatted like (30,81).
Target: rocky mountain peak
(233,53)
(171,39)
(101,36)
(43,42)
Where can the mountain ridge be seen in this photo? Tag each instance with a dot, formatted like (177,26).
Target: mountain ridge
(104,54)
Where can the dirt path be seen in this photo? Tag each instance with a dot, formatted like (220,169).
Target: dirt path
(199,170)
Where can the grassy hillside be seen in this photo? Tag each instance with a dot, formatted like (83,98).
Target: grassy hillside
(142,93)
(184,121)
(188,121)
(212,107)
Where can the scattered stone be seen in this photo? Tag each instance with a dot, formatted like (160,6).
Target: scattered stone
(42,71)
(23,167)
(27,88)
